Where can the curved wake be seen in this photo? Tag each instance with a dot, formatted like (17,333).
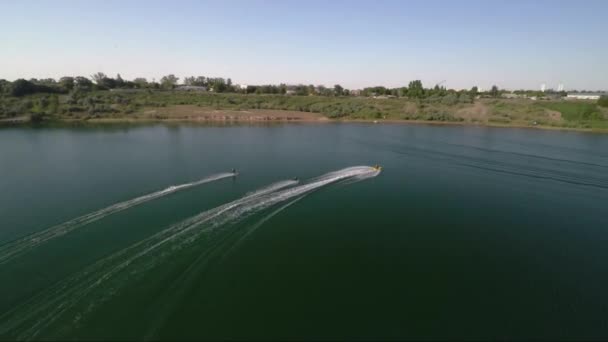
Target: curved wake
(42,310)
(21,246)
(75,297)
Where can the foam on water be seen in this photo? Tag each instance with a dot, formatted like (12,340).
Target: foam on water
(75,297)
(21,246)
(46,307)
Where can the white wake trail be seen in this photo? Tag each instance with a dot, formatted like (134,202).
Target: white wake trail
(186,231)
(77,296)
(18,247)
(181,283)
(175,231)
(351,174)
(49,305)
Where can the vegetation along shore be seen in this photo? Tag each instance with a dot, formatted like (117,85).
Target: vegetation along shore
(104,99)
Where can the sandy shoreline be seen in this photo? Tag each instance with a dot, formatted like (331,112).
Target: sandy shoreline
(199,115)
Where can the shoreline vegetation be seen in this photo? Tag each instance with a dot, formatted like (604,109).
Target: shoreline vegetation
(216,100)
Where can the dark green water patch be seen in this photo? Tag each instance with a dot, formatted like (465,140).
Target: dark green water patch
(468,232)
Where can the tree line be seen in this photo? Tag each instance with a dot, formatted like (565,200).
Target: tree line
(101,81)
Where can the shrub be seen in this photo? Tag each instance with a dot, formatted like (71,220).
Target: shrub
(464,98)
(449,100)
(22,87)
(36,117)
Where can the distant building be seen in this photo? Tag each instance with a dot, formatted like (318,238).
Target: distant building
(583,96)
(290,92)
(355,92)
(241,86)
(191,88)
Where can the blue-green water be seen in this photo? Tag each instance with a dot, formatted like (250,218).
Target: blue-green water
(467,232)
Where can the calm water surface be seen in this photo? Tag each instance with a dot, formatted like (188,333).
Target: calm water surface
(468,232)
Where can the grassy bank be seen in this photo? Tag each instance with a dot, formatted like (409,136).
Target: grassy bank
(176,105)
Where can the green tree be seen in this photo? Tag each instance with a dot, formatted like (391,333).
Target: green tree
(221,86)
(338,90)
(67,83)
(310,90)
(321,90)
(103,81)
(22,87)
(603,101)
(218,85)
(120,83)
(98,77)
(141,82)
(474,91)
(169,81)
(201,81)
(50,82)
(415,89)
(107,83)
(82,83)
(189,81)
(327,91)
(494,92)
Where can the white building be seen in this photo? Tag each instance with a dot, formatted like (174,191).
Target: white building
(583,96)
(191,88)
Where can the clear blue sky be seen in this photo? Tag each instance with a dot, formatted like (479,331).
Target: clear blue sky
(514,44)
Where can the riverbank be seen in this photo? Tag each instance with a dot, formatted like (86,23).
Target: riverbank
(219,117)
(102,107)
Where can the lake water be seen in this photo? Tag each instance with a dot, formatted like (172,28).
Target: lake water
(467,232)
